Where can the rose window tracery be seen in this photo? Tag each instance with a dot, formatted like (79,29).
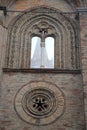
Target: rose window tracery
(40,103)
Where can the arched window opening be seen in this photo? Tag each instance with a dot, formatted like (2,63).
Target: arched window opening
(35,52)
(49,43)
(42,53)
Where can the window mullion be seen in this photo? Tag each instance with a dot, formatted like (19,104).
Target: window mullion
(43,33)
(42,54)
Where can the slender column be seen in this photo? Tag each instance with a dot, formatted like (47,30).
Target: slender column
(43,33)
(42,54)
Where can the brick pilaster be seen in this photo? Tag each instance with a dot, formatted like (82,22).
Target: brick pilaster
(83,27)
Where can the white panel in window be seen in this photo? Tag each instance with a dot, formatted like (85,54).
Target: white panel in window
(35,52)
(49,58)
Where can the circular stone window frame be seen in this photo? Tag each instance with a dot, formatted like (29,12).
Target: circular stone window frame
(56,111)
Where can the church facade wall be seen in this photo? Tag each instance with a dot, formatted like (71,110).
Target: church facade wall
(71,86)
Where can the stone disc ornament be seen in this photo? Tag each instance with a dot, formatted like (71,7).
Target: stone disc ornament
(39,103)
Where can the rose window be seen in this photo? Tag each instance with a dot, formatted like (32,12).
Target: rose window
(39,103)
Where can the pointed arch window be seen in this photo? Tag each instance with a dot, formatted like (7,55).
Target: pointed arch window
(42,52)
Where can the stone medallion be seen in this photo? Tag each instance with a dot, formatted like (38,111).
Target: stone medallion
(39,103)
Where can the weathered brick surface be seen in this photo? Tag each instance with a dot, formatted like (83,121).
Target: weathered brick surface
(73,117)
(26,4)
(83,25)
(1,46)
(71,85)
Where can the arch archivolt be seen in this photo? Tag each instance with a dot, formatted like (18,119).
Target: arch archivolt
(28,24)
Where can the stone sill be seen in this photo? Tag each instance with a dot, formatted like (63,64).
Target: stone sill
(46,70)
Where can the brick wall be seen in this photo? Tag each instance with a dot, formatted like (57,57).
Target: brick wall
(83,25)
(26,4)
(1,44)
(70,84)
